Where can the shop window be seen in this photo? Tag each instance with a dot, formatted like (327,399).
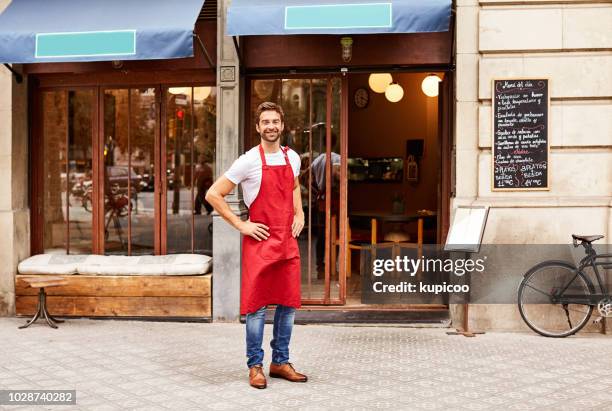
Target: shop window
(129,171)
(67,171)
(190,164)
(156,159)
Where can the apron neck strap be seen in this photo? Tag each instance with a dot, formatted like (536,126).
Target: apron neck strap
(263,156)
(285,154)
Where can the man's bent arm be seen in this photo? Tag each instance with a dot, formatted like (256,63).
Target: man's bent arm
(216,197)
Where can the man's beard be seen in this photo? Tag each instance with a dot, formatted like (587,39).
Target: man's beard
(270,138)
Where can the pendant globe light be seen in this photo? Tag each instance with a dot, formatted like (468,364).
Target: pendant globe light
(430,85)
(379,82)
(394,92)
(201,93)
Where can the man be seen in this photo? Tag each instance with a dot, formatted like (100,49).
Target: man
(270,255)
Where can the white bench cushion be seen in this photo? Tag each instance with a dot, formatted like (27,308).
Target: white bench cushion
(174,264)
(185,264)
(108,265)
(58,264)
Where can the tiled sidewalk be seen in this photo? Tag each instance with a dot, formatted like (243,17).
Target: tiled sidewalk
(183,366)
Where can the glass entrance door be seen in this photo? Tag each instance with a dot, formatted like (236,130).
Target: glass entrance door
(314,129)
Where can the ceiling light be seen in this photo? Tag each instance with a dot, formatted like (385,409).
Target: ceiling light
(394,92)
(379,82)
(430,85)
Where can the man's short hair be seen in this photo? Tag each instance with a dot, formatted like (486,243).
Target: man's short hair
(269,106)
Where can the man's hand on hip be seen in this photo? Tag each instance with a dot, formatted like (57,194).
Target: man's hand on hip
(257,231)
(298,224)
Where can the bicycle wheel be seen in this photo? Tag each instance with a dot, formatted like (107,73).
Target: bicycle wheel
(537,293)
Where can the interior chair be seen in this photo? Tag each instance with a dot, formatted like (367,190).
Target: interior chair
(402,240)
(399,245)
(355,244)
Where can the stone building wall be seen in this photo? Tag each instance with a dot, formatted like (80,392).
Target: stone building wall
(569,42)
(14,212)
(227,243)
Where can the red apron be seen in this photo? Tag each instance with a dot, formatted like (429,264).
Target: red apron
(271,268)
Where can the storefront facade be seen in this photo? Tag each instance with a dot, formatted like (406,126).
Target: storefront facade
(307,74)
(569,45)
(119,156)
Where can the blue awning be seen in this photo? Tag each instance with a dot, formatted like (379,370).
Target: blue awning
(40,31)
(248,17)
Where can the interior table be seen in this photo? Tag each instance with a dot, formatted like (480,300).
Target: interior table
(385,217)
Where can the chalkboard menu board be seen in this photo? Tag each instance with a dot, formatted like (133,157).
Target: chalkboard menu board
(520,134)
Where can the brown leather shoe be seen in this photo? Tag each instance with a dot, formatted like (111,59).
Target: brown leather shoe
(257,378)
(287,372)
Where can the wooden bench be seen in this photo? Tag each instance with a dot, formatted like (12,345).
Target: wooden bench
(155,296)
(174,286)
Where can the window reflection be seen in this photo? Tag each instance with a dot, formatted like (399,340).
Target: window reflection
(131,220)
(80,170)
(129,172)
(67,164)
(190,163)
(116,173)
(204,144)
(55,126)
(143,127)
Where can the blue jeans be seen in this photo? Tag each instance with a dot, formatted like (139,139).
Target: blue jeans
(281,335)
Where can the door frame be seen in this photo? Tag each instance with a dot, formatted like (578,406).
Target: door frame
(446,118)
(248,116)
(445,190)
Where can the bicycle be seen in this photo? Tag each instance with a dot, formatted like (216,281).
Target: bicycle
(116,206)
(556,298)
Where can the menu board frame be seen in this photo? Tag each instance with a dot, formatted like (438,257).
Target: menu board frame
(459,219)
(493,110)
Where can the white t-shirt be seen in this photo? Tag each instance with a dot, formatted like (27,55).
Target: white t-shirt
(246,170)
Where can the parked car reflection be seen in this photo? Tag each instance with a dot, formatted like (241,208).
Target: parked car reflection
(120,175)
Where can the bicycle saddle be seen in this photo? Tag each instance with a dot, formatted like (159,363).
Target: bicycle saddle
(587,238)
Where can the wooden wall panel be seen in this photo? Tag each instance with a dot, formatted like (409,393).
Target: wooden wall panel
(306,51)
(125,286)
(118,306)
